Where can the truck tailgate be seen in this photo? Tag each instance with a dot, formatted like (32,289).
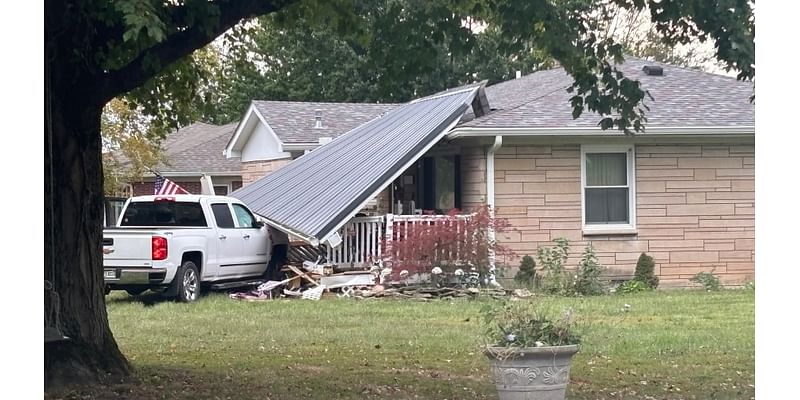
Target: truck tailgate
(128,247)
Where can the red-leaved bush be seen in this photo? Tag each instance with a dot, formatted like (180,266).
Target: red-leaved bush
(455,240)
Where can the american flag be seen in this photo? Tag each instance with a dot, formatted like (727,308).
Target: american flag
(166,186)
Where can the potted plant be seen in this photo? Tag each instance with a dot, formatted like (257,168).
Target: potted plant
(530,350)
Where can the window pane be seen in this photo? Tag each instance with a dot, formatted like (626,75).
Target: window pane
(607,206)
(445,188)
(167,213)
(243,217)
(222,214)
(221,190)
(606,169)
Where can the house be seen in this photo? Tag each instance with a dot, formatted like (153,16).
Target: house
(191,152)
(682,191)
(272,133)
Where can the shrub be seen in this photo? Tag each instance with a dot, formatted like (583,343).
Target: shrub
(632,286)
(555,279)
(708,280)
(446,242)
(526,324)
(645,271)
(587,281)
(527,271)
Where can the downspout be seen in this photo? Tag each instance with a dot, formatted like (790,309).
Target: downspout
(498,142)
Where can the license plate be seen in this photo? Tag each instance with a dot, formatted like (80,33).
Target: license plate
(110,274)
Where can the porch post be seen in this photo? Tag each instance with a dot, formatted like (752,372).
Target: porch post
(389,229)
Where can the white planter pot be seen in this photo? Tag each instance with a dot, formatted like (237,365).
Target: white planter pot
(527,373)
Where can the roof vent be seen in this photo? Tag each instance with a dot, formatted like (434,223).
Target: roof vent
(653,70)
(317,118)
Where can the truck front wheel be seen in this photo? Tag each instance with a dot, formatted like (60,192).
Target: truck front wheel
(188,282)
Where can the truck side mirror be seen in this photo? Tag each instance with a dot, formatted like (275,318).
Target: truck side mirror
(258,224)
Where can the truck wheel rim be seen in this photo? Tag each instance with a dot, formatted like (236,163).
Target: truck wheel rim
(190,284)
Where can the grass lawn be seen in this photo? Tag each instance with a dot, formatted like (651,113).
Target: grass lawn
(670,345)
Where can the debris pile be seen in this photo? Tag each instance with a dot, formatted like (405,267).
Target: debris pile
(313,280)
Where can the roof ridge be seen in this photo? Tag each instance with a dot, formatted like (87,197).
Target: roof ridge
(324,102)
(690,69)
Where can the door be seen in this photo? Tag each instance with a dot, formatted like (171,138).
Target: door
(230,244)
(255,239)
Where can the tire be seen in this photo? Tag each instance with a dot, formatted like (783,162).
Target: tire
(188,282)
(136,291)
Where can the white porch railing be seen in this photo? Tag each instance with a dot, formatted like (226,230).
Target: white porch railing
(364,239)
(361,241)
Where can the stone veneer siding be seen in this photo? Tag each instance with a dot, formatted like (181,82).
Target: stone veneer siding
(695,207)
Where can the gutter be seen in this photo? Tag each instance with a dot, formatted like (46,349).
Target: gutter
(498,142)
(470,131)
(289,231)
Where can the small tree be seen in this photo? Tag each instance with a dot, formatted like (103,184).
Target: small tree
(588,281)
(527,271)
(645,271)
(556,279)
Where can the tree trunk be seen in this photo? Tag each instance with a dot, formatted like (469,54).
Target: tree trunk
(73,189)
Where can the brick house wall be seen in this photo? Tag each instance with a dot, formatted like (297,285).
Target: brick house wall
(695,208)
(192,186)
(253,170)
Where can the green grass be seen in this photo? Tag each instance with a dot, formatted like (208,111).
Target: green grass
(669,345)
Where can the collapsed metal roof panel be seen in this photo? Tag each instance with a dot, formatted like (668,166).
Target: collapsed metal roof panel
(316,194)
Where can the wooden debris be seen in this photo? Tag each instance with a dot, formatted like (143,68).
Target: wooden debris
(432,292)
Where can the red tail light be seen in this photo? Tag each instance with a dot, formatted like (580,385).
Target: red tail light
(159,248)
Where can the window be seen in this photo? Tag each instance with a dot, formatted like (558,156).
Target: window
(221,190)
(440,186)
(243,217)
(164,213)
(222,214)
(608,190)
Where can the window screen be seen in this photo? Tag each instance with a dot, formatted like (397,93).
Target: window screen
(607,188)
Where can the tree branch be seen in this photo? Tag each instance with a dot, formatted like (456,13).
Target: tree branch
(179,44)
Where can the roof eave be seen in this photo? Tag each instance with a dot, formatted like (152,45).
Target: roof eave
(715,131)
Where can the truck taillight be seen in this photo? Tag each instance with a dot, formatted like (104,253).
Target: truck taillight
(159,248)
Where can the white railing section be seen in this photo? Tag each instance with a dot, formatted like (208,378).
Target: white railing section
(361,241)
(364,239)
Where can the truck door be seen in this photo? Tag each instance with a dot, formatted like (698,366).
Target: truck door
(229,240)
(255,240)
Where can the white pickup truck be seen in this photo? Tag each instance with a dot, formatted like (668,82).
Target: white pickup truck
(179,244)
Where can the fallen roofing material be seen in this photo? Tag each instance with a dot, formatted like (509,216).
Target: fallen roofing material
(313,196)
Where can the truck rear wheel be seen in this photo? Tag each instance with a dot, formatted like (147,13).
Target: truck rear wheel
(188,282)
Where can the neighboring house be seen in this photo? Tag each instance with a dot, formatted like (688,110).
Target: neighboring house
(272,133)
(192,151)
(683,191)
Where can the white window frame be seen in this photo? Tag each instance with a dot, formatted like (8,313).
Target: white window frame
(610,229)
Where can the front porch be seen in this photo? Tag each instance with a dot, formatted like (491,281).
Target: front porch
(390,237)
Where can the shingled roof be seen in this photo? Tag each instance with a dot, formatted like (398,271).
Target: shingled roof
(293,122)
(683,97)
(197,148)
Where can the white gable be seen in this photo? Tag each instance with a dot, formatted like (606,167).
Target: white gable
(255,140)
